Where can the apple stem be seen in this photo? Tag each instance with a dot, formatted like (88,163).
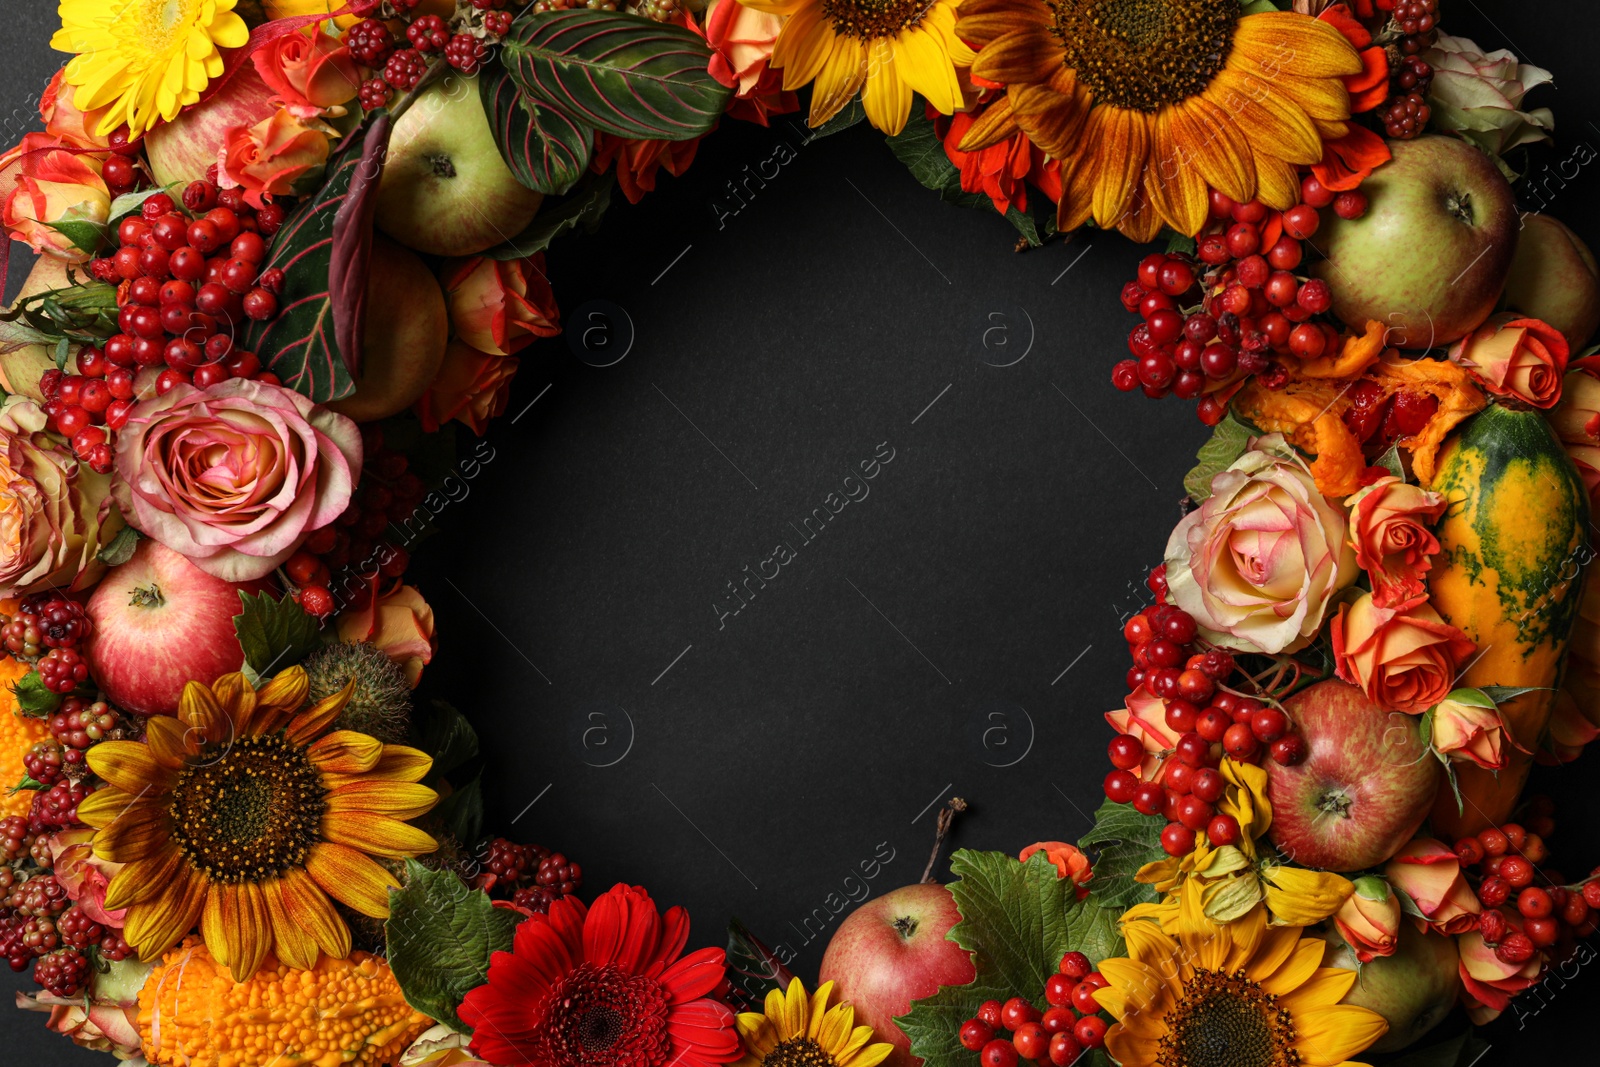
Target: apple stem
(905,926)
(947,815)
(146,596)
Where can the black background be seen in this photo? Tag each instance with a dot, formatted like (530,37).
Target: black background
(954,633)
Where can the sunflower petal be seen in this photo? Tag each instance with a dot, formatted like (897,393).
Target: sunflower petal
(886,96)
(1205,134)
(1270,122)
(237,697)
(398,800)
(1173,184)
(377,835)
(1024,56)
(130,766)
(1281,42)
(351,877)
(155,925)
(1052,120)
(994,125)
(199,708)
(310,910)
(1327,1036)
(142,832)
(292,945)
(171,741)
(103,806)
(237,927)
(143,880)
(345,752)
(1119,143)
(306,726)
(843,74)
(803,44)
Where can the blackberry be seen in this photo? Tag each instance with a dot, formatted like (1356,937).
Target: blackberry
(63,972)
(62,670)
(65,623)
(559,874)
(11,946)
(1406,116)
(404,69)
(497,23)
(465,53)
(370,42)
(536,899)
(507,864)
(78,929)
(39,936)
(78,724)
(1412,74)
(659,10)
(381,703)
(1416,17)
(428,34)
(23,636)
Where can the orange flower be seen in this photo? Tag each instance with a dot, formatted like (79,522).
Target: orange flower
(1369,88)
(63,120)
(638,161)
(1403,657)
(43,183)
(310,72)
(1467,727)
(1350,160)
(266,159)
(1389,522)
(1488,982)
(472,388)
(399,622)
(741,39)
(1429,872)
(1515,357)
(500,306)
(1069,862)
(1002,170)
(1143,716)
(1369,919)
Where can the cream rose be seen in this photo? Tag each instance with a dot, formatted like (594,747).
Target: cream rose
(1258,563)
(235,476)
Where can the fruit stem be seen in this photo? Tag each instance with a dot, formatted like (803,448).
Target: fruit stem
(947,815)
(146,596)
(905,926)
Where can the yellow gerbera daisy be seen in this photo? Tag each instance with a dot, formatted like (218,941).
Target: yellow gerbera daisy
(883,49)
(1148,103)
(1243,994)
(244,814)
(801,1031)
(144,60)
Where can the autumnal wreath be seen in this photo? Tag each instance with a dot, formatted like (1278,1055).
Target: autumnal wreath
(285,247)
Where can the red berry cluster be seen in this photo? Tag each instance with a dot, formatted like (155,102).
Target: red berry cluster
(119,169)
(56,808)
(1058,1035)
(44,621)
(398,65)
(1234,304)
(1212,721)
(62,670)
(1418,23)
(531,876)
(76,726)
(1405,116)
(187,281)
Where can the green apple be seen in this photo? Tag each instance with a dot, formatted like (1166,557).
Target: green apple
(1430,257)
(1555,280)
(445,189)
(1414,989)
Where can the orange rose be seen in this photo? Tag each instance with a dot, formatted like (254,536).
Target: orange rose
(266,159)
(64,121)
(310,72)
(500,306)
(1515,357)
(1467,727)
(741,39)
(1369,919)
(1488,982)
(638,161)
(1143,716)
(1389,522)
(1429,873)
(399,622)
(1403,657)
(44,185)
(472,388)
(1069,861)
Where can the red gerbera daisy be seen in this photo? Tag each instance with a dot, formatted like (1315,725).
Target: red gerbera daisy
(603,987)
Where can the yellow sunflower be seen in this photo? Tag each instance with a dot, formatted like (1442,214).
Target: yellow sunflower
(246,815)
(1148,103)
(144,60)
(1243,994)
(883,49)
(801,1031)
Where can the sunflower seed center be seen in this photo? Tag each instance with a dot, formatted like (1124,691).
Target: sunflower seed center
(1226,1020)
(1144,54)
(801,1052)
(868,19)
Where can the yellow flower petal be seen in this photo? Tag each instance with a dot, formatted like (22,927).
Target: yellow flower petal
(377,835)
(130,766)
(351,878)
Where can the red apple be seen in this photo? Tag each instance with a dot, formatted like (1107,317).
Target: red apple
(181,150)
(159,623)
(891,951)
(1365,785)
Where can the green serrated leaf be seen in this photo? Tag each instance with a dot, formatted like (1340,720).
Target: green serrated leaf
(462,812)
(120,548)
(622,74)
(275,634)
(848,116)
(448,737)
(1125,841)
(28,782)
(128,203)
(440,935)
(1228,442)
(1391,462)
(33,698)
(588,202)
(919,148)
(1178,242)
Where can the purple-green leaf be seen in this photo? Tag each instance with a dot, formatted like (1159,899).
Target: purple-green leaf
(545,149)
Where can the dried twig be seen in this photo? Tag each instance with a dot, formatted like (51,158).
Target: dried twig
(947,815)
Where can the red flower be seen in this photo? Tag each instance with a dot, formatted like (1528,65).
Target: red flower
(638,161)
(1002,171)
(1350,160)
(605,984)
(1371,87)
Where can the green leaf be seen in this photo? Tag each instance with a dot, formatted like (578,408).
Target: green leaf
(120,549)
(275,634)
(848,116)
(1178,242)
(1125,841)
(618,73)
(547,149)
(448,737)
(589,200)
(1391,462)
(1018,920)
(1502,693)
(1228,442)
(33,698)
(28,782)
(128,203)
(919,148)
(87,236)
(440,935)
(754,970)
(462,812)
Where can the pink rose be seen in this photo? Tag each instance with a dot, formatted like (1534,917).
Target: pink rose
(84,875)
(1389,522)
(1403,657)
(1488,982)
(63,120)
(399,622)
(1069,862)
(741,39)
(310,72)
(472,387)
(1369,919)
(1467,727)
(43,183)
(234,477)
(1515,357)
(268,158)
(1429,872)
(1259,562)
(1576,420)
(500,306)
